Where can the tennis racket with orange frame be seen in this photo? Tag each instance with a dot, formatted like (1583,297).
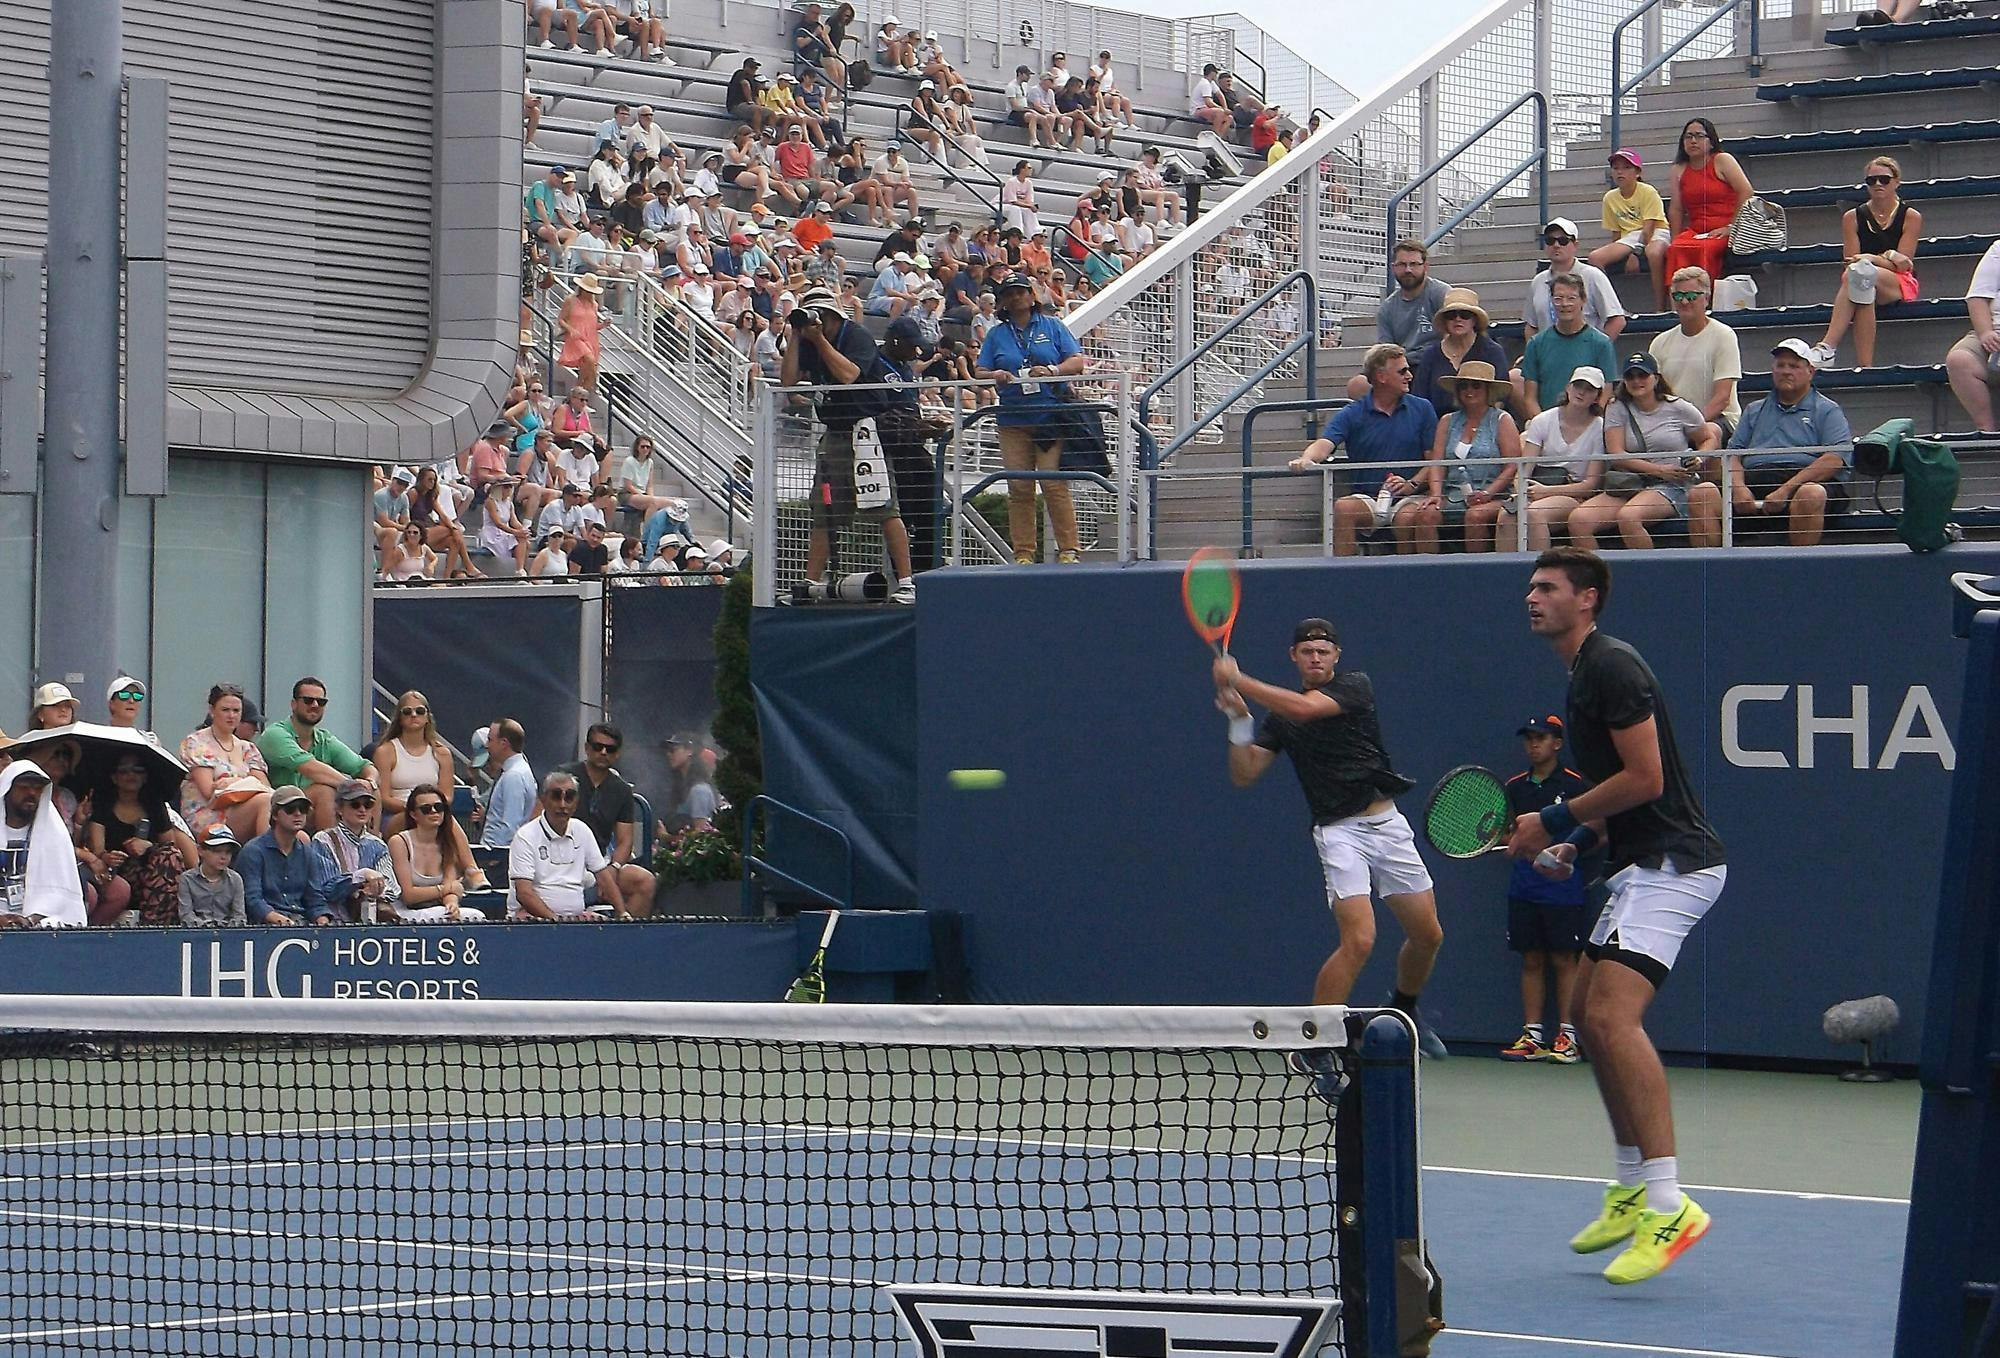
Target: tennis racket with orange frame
(1212,592)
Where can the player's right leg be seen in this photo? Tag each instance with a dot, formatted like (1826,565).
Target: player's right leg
(1345,870)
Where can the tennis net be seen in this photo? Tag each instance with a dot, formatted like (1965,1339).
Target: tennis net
(399,1178)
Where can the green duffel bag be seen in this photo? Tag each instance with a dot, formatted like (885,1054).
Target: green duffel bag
(1930,482)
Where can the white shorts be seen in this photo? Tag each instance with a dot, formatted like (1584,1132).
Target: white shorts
(1635,240)
(1650,914)
(1380,515)
(1379,851)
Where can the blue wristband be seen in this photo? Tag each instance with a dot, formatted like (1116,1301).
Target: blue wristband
(1557,819)
(1584,838)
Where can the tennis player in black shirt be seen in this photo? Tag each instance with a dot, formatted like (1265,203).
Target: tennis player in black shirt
(1666,869)
(1328,726)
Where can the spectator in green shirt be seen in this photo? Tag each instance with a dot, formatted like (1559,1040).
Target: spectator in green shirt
(300,754)
(1555,353)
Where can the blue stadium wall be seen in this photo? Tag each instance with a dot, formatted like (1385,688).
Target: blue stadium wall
(1815,695)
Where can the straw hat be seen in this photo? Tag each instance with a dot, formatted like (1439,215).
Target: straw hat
(1461,299)
(588,283)
(1476,372)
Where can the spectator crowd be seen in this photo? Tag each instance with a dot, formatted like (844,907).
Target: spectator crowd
(282,823)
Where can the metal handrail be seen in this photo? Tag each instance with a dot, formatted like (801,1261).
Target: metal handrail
(963,498)
(1753,60)
(753,865)
(1154,455)
(1539,159)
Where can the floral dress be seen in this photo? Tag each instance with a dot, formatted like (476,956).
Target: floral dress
(201,750)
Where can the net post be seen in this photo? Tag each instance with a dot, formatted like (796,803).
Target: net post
(1394,1266)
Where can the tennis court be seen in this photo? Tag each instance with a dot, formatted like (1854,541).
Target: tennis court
(729,1198)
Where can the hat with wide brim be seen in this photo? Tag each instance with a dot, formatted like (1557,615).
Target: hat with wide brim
(1461,299)
(1476,372)
(588,283)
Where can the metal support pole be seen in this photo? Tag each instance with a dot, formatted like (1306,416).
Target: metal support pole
(1429,146)
(1183,304)
(80,456)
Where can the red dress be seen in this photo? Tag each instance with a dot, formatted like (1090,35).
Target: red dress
(1707,204)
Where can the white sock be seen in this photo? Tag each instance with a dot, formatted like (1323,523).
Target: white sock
(1533,1030)
(1570,1028)
(1627,1162)
(1663,1184)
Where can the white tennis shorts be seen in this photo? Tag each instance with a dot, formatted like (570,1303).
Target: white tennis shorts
(1650,914)
(1365,851)
(1636,239)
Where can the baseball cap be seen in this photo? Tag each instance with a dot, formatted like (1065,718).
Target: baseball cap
(405,475)
(353,790)
(1590,376)
(220,837)
(1550,725)
(1795,346)
(122,682)
(289,796)
(1627,153)
(1640,363)
(1105,176)
(1314,629)
(1562,224)
(479,754)
(48,695)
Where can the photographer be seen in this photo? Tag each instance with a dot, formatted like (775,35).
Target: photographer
(829,350)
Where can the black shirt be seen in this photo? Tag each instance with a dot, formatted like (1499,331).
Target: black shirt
(839,410)
(1612,688)
(742,90)
(590,558)
(1341,764)
(605,806)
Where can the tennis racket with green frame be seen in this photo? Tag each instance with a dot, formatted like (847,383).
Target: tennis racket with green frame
(1212,592)
(810,988)
(1468,813)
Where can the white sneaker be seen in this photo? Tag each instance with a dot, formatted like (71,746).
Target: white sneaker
(905,592)
(1823,355)
(546,43)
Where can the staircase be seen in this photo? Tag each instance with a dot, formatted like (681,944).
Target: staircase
(1827,98)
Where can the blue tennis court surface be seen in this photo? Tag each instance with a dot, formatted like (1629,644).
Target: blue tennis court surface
(615,1235)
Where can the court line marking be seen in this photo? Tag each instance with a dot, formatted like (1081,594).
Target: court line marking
(1693,1188)
(1610,1345)
(432,1301)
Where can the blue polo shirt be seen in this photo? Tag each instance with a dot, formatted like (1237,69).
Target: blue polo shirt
(1042,343)
(1402,435)
(1769,428)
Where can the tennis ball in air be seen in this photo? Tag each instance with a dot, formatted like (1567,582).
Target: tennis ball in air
(977,780)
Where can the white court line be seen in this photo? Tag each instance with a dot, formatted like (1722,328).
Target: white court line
(672,1273)
(425,1303)
(1693,1188)
(303,1129)
(1606,1345)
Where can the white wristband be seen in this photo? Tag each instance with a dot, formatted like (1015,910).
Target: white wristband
(1242,730)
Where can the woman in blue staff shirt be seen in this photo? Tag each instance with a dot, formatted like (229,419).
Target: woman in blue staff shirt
(1021,352)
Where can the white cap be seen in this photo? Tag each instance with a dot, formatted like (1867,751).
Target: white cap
(1590,376)
(890,19)
(124,681)
(48,695)
(405,475)
(1796,347)
(1105,176)
(719,546)
(926,85)
(1568,227)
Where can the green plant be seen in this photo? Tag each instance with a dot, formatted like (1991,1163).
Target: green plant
(695,857)
(739,774)
(991,505)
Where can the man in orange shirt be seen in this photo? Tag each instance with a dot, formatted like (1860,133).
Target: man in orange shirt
(809,231)
(1035,251)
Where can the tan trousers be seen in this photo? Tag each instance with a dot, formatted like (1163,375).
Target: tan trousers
(1020,453)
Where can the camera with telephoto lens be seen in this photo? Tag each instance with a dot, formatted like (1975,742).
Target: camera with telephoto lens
(862,587)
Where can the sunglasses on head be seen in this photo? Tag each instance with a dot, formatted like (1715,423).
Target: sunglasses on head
(414,711)
(1879,179)
(129,695)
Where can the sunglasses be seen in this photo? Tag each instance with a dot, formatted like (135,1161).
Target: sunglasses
(293,809)
(428,809)
(125,770)
(1402,372)
(1687,296)
(1559,240)
(414,711)
(600,747)
(563,795)
(129,695)
(366,803)
(311,702)
(1875,179)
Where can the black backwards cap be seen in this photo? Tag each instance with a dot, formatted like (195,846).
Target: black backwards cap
(1315,629)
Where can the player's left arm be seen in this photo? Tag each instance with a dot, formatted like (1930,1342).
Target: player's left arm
(1641,778)
(1286,702)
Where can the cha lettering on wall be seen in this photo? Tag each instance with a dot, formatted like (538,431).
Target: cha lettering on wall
(339,965)
(1821,734)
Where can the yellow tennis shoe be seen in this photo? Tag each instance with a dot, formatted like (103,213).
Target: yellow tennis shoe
(1622,1206)
(1658,1238)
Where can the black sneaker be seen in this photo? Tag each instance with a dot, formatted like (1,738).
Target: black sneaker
(1323,1068)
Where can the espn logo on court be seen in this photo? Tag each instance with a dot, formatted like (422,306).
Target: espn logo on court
(966,1322)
